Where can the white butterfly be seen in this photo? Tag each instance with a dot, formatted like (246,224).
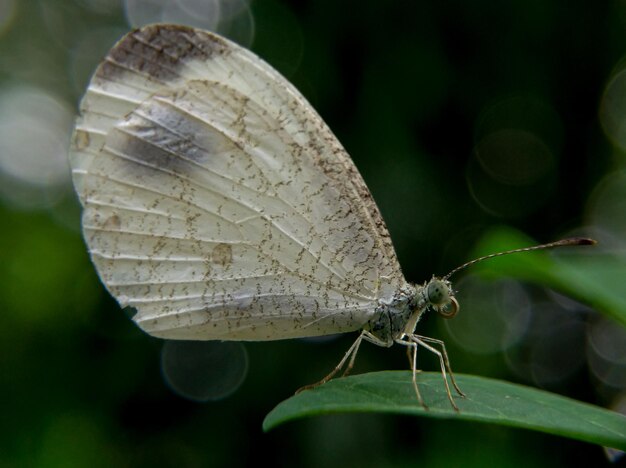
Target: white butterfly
(219,205)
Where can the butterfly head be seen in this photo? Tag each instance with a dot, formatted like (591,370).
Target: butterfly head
(439,296)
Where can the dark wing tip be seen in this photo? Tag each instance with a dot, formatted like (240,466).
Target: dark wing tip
(158,51)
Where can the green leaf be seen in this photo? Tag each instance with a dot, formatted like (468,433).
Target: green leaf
(586,273)
(486,400)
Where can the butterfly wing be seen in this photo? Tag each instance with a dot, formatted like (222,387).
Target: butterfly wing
(216,201)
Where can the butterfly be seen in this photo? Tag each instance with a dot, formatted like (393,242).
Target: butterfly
(219,205)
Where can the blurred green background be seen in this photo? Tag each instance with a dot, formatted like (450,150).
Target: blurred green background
(460,116)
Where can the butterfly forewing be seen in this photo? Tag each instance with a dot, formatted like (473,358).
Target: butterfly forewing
(216,201)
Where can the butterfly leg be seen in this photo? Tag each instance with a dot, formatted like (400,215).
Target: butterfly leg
(351,353)
(419,340)
(411,352)
(410,356)
(446,360)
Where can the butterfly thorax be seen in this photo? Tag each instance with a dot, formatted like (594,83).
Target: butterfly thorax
(399,316)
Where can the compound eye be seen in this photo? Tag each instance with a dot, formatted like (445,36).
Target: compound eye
(437,293)
(450,309)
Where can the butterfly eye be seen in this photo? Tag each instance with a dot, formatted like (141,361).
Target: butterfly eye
(437,293)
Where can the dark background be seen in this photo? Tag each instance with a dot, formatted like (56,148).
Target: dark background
(460,116)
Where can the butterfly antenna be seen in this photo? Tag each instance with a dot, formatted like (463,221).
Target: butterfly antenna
(560,243)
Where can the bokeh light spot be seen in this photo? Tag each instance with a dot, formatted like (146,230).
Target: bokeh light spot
(514,156)
(494,315)
(34,139)
(607,353)
(607,209)
(232,18)
(613,109)
(518,142)
(204,370)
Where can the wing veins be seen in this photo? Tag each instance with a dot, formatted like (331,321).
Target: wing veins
(271,220)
